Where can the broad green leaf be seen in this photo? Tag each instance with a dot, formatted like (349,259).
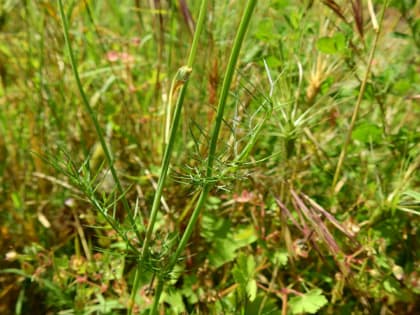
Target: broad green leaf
(332,45)
(265,30)
(402,86)
(174,299)
(224,242)
(367,133)
(340,42)
(310,302)
(392,286)
(244,236)
(214,227)
(223,251)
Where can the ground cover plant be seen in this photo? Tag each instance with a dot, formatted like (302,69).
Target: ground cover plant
(209,157)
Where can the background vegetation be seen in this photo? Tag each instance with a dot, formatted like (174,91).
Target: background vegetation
(313,199)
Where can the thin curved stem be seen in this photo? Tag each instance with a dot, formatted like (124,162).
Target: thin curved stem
(358,103)
(94,119)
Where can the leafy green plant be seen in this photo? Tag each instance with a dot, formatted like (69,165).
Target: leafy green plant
(272,173)
(309,303)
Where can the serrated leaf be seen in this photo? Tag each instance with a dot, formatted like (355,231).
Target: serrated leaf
(213,227)
(222,252)
(174,299)
(243,272)
(310,302)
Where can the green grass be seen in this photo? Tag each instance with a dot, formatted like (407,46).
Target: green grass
(286,183)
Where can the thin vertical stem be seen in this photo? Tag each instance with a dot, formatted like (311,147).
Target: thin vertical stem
(358,102)
(94,119)
(216,130)
(169,147)
(174,127)
(243,26)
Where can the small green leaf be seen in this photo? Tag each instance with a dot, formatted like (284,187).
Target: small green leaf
(251,289)
(310,302)
(340,42)
(273,62)
(250,266)
(243,272)
(280,258)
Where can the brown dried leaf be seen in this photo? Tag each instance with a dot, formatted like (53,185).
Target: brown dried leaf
(358,15)
(186,13)
(336,8)
(329,216)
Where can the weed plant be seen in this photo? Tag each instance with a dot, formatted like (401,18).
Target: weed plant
(209,157)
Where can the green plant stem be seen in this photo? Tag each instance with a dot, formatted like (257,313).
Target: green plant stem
(94,119)
(183,76)
(230,70)
(172,136)
(358,103)
(216,130)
